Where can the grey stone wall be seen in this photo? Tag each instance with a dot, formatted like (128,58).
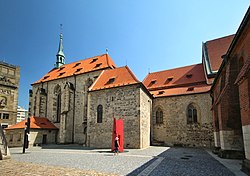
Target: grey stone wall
(73,93)
(145,118)
(15,137)
(174,130)
(121,102)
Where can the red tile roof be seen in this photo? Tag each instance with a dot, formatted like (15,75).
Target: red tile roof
(79,67)
(114,78)
(175,77)
(35,123)
(192,89)
(177,81)
(217,48)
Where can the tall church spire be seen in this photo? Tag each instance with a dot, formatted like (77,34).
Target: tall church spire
(60,57)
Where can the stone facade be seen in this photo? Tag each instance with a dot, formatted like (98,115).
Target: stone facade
(37,137)
(72,114)
(128,102)
(174,129)
(9,84)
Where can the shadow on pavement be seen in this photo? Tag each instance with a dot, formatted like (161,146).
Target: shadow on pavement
(182,162)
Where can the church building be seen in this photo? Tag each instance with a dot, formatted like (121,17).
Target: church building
(83,97)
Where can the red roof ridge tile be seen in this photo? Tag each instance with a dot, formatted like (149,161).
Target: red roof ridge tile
(176,68)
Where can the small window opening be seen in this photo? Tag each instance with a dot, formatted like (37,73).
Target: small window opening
(98,65)
(60,74)
(110,81)
(76,64)
(161,92)
(168,80)
(93,60)
(190,89)
(189,75)
(45,77)
(61,68)
(79,69)
(152,83)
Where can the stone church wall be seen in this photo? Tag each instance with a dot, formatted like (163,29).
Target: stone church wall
(72,125)
(145,116)
(121,102)
(174,130)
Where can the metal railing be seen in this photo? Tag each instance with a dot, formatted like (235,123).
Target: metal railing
(3,142)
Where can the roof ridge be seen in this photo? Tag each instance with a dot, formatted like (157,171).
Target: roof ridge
(132,74)
(90,88)
(176,68)
(220,38)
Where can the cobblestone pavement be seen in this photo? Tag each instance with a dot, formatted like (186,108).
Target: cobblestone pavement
(76,160)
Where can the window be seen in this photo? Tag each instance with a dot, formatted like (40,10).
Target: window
(161,92)
(0,115)
(191,114)
(57,102)
(5,116)
(93,60)
(11,137)
(159,116)
(61,68)
(77,70)
(77,64)
(99,114)
(60,74)
(169,79)
(152,82)
(58,107)
(189,75)
(110,81)
(98,65)
(45,77)
(190,89)
(19,137)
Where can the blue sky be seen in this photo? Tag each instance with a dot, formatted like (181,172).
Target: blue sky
(145,35)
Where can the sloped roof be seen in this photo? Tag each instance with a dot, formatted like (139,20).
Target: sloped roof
(177,81)
(114,78)
(79,67)
(175,77)
(217,48)
(192,89)
(35,123)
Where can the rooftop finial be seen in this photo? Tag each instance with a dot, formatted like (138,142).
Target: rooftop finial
(107,50)
(60,57)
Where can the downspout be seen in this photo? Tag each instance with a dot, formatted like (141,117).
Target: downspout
(73,120)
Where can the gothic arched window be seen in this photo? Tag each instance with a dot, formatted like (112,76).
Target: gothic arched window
(57,93)
(191,114)
(159,116)
(99,113)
